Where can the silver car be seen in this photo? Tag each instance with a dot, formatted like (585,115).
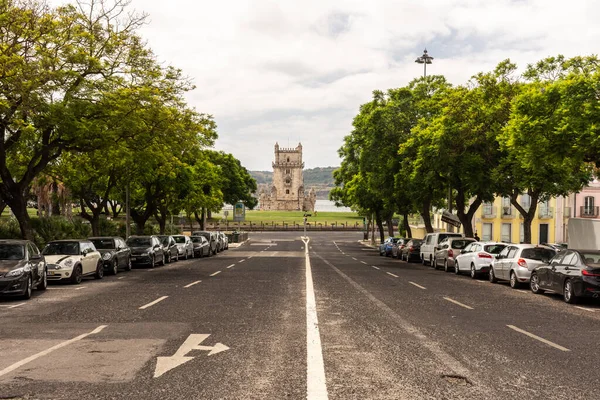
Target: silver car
(448,250)
(516,261)
(185,247)
(477,258)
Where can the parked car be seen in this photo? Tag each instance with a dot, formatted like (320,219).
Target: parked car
(22,268)
(398,246)
(146,250)
(72,260)
(448,250)
(516,261)
(185,247)
(572,273)
(556,246)
(212,240)
(225,240)
(385,248)
(169,248)
(430,245)
(412,250)
(477,258)
(115,253)
(201,246)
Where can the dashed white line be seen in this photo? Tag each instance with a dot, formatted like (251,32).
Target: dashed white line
(122,277)
(16,305)
(586,309)
(364,262)
(153,303)
(215,273)
(389,273)
(531,335)
(372,266)
(81,288)
(230,266)
(354,258)
(48,351)
(458,303)
(192,284)
(241,261)
(417,285)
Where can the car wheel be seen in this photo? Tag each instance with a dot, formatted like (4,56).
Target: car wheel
(474,273)
(28,289)
(422,259)
(76,277)
(514,282)
(569,293)
(115,267)
(163,259)
(433,263)
(492,276)
(169,258)
(152,262)
(446,268)
(534,284)
(456,268)
(129,265)
(99,270)
(43,285)
(186,255)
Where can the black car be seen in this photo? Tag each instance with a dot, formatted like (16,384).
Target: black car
(412,250)
(169,247)
(213,241)
(146,250)
(22,268)
(115,253)
(572,273)
(201,246)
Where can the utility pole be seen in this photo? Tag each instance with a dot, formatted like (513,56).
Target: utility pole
(127,212)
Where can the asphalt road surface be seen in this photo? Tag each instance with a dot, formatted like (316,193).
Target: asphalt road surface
(269,321)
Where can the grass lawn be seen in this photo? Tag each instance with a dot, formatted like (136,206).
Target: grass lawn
(290,217)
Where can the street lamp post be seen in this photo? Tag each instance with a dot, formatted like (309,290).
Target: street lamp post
(424,59)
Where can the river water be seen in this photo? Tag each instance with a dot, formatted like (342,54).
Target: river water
(329,206)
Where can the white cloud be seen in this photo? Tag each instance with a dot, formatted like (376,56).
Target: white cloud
(269,70)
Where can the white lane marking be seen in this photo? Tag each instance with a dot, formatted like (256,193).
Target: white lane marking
(364,262)
(122,277)
(50,350)
(81,288)
(250,257)
(395,276)
(153,302)
(458,303)
(215,273)
(65,288)
(230,266)
(531,335)
(192,284)
(372,266)
(481,281)
(316,385)
(354,258)
(417,285)
(241,261)
(586,309)
(15,306)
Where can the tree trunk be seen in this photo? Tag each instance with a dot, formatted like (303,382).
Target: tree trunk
(18,205)
(426,206)
(408,231)
(93,218)
(390,225)
(161,218)
(528,215)
(2,206)
(380,226)
(466,219)
(116,208)
(55,200)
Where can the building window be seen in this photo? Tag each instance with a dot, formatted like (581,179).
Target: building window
(287,171)
(588,208)
(526,202)
(506,228)
(287,191)
(486,232)
(288,159)
(506,206)
(488,209)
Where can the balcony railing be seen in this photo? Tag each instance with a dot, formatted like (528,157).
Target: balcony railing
(508,212)
(546,213)
(489,212)
(589,212)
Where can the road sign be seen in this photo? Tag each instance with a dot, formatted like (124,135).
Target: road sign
(450,219)
(239,212)
(165,364)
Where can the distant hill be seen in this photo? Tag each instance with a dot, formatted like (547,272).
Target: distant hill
(320,178)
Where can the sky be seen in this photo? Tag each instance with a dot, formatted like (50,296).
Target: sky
(292,71)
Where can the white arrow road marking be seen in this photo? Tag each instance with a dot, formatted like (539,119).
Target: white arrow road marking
(531,335)
(458,303)
(316,385)
(153,302)
(417,285)
(50,350)
(215,273)
(164,364)
(192,284)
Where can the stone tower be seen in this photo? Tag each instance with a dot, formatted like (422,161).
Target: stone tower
(287,190)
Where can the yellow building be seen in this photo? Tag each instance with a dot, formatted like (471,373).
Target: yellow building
(500,221)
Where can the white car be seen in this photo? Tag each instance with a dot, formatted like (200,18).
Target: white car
(516,262)
(430,245)
(185,247)
(72,259)
(477,258)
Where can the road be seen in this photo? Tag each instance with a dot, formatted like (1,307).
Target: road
(269,321)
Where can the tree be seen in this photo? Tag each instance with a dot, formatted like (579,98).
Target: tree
(236,183)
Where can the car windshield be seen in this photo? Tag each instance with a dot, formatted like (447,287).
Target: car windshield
(139,242)
(494,248)
(416,242)
(179,239)
(538,254)
(60,248)
(12,251)
(164,240)
(205,234)
(103,243)
(443,236)
(592,259)
(196,239)
(460,244)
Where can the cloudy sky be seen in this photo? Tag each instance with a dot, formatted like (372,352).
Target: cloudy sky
(290,71)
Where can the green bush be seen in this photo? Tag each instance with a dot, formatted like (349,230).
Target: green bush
(56,228)
(9,229)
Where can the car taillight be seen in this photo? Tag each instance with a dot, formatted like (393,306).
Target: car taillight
(450,253)
(411,248)
(484,255)
(521,263)
(589,273)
